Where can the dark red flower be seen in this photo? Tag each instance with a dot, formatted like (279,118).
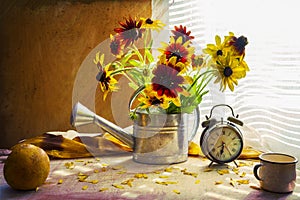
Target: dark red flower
(238,44)
(115,46)
(130,31)
(178,50)
(166,81)
(181,32)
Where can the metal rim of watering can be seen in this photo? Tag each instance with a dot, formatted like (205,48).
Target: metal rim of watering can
(196,112)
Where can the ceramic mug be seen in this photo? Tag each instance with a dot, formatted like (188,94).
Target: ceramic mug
(276,172)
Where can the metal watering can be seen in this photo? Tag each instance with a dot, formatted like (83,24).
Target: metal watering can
(156,138)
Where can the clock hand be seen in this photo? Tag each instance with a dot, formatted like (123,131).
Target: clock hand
(228,150)
(222,149)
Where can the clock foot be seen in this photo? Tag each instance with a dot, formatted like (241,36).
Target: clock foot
(235,164)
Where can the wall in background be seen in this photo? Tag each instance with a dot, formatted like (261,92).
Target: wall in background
(43,43)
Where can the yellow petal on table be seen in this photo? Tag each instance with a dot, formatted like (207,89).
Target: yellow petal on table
(232,182)
(223,171)
(176,191)
(243,174)
(249,153)
(140,175)
(84,187)
(118,186)
(243,181)
(218,182)
(93,181)
(103,189)
(194,149)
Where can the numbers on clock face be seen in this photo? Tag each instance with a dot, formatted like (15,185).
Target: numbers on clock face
(224,144)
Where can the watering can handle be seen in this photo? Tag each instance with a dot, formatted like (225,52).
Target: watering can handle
(192,134)
(196,124)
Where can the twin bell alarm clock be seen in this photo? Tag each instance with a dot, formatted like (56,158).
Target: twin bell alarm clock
(222,141)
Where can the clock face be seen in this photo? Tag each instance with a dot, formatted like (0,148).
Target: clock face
(224,144)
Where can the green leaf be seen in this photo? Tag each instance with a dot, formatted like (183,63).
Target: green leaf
(149,55)
(125,58)
(135,63)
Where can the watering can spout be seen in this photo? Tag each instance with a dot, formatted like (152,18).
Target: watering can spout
(81,115)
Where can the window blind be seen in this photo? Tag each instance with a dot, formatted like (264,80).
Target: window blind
(267,100)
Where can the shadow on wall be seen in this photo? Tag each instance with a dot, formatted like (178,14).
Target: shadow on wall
(43,43)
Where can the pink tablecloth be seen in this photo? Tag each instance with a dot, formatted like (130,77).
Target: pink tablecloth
(118,177)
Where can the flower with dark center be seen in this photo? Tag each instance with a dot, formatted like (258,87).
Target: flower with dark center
(130,31)
(150,98)
(219,52)
(176,48)
(149,21)
(116,46)
(156,25)
(215,50)
(167,81)
(106,81)
(229,70)
(172,62)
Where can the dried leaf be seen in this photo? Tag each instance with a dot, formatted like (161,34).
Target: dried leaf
(194,149)
(169,169)
(102,189)
(223,171)
(140,175)
(245,181)
(117,167)
(236,170)
(118,186)
(218,182)
(93,181)
(243,174)
(84,187)
(81,177)
(69,165)
(157,172)
(163,176)
(176,191)
(185,172)
(166,182)
(232,182)
(128,182)
(88,162)
(121,172)
(208,169)
(104,169)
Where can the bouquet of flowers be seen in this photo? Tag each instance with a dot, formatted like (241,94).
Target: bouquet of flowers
(177,79)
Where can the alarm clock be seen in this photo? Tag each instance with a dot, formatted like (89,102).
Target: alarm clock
(222,141)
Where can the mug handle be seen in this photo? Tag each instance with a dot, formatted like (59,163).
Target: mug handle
(196,124)
(255,170)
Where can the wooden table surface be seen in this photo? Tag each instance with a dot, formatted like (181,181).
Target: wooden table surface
(119,177)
